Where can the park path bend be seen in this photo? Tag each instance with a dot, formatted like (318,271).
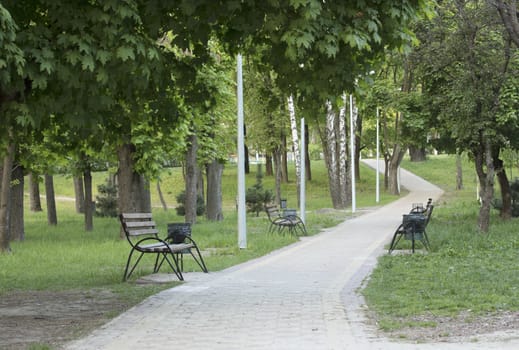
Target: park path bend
(300,297)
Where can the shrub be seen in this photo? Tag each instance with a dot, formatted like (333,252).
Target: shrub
(181,208)
(106,200)
(257,197)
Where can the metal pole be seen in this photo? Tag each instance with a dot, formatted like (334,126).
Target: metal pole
(242,213)
(378,160)
(352,156)
(302,197)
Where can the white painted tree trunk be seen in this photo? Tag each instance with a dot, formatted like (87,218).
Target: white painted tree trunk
(333,168)
(295,142)
(343,155)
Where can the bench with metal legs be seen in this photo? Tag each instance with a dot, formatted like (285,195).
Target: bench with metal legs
(413,228)
(142,234)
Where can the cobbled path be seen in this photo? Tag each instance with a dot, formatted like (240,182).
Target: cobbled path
(300,297)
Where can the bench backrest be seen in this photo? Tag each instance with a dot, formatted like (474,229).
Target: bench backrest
(138,224)
(272,211)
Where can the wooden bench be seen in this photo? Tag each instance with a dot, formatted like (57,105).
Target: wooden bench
(142,234)
(413,227)
(280,222)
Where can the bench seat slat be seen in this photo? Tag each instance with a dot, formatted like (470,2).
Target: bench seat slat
(161,247)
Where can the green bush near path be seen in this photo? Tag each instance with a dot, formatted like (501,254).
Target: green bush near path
(465,271)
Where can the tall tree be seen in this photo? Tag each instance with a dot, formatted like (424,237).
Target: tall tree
(467,63)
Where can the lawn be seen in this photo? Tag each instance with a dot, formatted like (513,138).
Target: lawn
(66,257)
(465,273)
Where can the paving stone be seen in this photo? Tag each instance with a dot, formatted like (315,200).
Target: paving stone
(300,297)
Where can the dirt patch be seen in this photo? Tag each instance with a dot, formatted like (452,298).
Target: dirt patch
(54,318)
(464,328)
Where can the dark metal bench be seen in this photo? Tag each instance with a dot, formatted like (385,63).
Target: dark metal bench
(413,227)
(180,233)
(142,234)
(280,222)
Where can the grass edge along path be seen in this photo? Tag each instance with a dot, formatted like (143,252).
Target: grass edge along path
(466,275)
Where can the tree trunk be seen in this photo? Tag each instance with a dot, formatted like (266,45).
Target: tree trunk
(191,180)
(34,192)
(16,223)
(508,12)
(386,171)
(357,129)
(161,196)
(80,194)
(144,194)
(52,215)
(483,158)
(506,192)
(89,205)
(246,151)
(284,160)
(417,154)
(5,196)
(308,165)
(385,146)
(343,169)
(394,164)
(214,191)
(133,194)
(459,172)
(335,149)
(278,173)
(269,171)
(330,157)
(295,145)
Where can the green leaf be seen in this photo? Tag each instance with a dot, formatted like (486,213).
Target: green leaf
(72,57)
(87,63)
(153,54)
(101,76)
(84,47)
(372,26)
(46,66)
(125,53)
(103,56)
(350,39)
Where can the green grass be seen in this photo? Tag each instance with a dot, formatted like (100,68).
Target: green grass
(317,193)
(465,271)
(66,257)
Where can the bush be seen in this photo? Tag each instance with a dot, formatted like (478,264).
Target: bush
(181,208)
(257,197)
(106,201)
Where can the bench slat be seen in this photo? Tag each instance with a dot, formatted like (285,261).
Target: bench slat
(136,215)
(144,231)
(132,224)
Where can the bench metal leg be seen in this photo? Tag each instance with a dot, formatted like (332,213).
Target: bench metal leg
(199,260)
(156,267)
(396,238)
